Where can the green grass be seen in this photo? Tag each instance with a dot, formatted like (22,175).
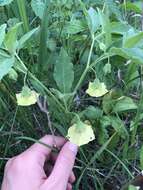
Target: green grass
(76,42)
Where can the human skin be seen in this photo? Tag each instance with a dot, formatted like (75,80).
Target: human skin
(26,171)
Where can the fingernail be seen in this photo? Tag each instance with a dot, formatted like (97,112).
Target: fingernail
(73,148)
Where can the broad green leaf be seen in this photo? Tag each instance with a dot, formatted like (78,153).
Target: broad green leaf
(129,34)
(134,54)
(116,123)
(113,8)
(132,187)
(135,7)
(26,37)
(6,63)
(107,103)
(10,40)
(38,7)
(80,133)
(63,72)
(96,88)
(27,97)
(2,33)
(75,26)
(5,2)
(119,28)
(131,73)
(60,95)
(93,20)
(105,22)
(109,100)
(123,104)
(92,112)
(119,126)
(133,41)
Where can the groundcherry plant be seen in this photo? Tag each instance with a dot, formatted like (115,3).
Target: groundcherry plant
(75,68)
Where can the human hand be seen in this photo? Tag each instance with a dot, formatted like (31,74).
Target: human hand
(26,171)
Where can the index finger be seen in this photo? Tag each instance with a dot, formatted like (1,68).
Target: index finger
(41,152)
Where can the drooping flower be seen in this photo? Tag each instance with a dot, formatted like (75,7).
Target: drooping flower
(81,133)
(96,88)
(27,97)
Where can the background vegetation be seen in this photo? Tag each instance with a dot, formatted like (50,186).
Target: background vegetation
(56,48)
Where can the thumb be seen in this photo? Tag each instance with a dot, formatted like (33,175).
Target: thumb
(63,166)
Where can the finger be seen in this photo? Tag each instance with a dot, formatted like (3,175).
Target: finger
(72,178)
(48,168)
(69,186)
(4,185)
(53,158)
(64,165)
(41,152)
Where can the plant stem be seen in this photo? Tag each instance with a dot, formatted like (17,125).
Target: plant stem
(84,74)
(23,15)
(42,57)
(48,91)
(87,67)
(40,83)
(40,142)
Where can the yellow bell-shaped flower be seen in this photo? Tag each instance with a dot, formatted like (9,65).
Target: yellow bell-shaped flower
(80,133)
(27,97)
(96,88)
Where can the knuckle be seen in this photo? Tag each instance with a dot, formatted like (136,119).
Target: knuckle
(16,164)
(8,164)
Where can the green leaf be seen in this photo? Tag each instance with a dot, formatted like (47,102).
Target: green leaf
(105,22)
(119,126)
(116,123)
(103,136)
(114,9)
(132,187)
(6,63)
(134,54)
(119,28)
(109,100)
(26,37)
(133,41)
(124,104)
(75,26)
(10,40)
(135,7)
(107,103)
(2,33)
(60,95)
(93,20)
(92,112)
(38,7)
(63,72)
(5,2)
